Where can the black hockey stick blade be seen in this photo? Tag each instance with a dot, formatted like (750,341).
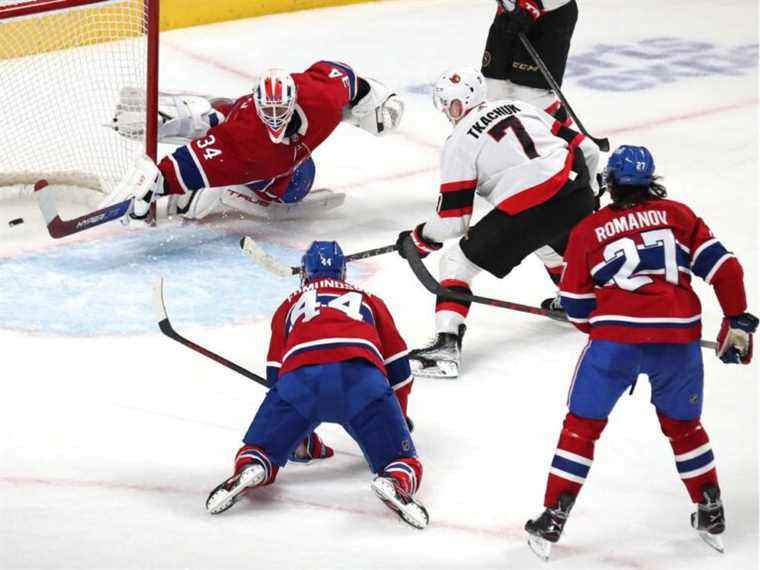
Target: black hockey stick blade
(166,327)
(430,283)
(603,144)
(257,254)
(59,228)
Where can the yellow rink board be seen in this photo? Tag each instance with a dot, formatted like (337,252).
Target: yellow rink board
(123,19)
(185,13)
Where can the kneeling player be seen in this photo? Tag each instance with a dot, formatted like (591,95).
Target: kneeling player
(335,356)
(536,173)
(255,151)
(627,284)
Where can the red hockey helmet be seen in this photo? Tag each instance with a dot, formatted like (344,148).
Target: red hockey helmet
(275,101)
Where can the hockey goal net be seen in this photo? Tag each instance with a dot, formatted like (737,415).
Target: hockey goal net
(63,64)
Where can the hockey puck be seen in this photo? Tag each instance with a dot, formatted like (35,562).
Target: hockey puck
(16,221)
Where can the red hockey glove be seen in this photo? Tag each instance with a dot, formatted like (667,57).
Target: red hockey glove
(424,246)
(310,449)
(735,339)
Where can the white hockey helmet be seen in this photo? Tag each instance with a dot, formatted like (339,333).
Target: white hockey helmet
(275,101)
(458,91)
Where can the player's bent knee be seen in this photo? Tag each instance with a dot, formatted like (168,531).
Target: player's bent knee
(301,182)
(584,428)
(455,265)
(678,429)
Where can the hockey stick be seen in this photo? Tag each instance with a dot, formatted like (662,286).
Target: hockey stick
(430,283)
(137,181)
(166,327)
(603,144)
(59,228)
(254,251)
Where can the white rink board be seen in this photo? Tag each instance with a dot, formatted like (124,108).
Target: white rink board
(113,435)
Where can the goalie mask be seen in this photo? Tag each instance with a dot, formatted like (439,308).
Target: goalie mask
(458,91)
(275,101)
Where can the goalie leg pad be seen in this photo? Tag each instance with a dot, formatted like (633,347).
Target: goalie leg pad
(199,204)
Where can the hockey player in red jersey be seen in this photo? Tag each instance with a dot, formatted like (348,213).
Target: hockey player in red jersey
(335,355)
(627,284)
(257,149)
(535,172)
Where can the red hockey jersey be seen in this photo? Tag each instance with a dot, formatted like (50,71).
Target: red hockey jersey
(628,273)
(239,150)
(331,321)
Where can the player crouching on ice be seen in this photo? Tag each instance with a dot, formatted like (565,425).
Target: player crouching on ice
(536,173)
(255,151)
(627,284)
(335,356)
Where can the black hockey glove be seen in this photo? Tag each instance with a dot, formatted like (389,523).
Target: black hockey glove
(522,18)
(424,246)
(735,339)
(602,182)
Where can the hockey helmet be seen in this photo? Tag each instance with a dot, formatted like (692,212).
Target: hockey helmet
(458,91)
(275,101)
(323,259)
(630,166)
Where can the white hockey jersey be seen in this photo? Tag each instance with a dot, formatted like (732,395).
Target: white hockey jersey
(544,5)
(512,154)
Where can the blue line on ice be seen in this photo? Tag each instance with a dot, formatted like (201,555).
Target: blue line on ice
(104,286)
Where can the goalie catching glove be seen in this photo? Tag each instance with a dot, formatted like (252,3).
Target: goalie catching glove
(735,339)
(424,245)
(376,109)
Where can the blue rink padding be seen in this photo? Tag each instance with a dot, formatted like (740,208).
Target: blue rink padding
(607,369)
(104,286)
(352,393)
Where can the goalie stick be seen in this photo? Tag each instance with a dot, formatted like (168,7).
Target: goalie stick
(137,181)
(603,144)
(255,252)
(430,283)
(166,327)
(59,228)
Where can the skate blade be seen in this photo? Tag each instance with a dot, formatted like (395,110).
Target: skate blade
(222,499)
(540,547)
(435,369)
(712,540)
(411,513)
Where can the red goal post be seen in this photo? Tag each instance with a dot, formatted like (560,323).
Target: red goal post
(63,64)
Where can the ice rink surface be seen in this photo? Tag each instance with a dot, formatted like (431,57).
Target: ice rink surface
(112,435)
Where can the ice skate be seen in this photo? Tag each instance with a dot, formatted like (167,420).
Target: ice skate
(410,511)
(710,520)
(554,306)
(547,528)
(227,493)
(441,359)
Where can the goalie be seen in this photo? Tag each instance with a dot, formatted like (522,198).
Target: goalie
(255,151)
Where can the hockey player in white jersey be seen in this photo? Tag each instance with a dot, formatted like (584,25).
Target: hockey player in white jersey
(531,168)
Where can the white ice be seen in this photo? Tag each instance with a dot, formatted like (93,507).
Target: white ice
(112,435)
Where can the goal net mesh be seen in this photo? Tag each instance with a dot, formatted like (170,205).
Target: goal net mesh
(61,71)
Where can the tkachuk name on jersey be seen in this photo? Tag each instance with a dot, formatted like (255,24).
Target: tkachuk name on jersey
(632,221)
(324,284)
(501,111)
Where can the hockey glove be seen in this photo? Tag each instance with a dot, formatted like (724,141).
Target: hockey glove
(735,339)
(424,246)
(522,18)
(310,449)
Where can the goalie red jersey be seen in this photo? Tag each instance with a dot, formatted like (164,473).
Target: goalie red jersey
(328,321)
(239,150)
(628,274)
